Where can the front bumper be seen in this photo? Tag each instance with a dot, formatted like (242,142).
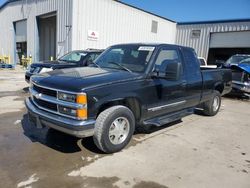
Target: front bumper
(69,126)
(243,87)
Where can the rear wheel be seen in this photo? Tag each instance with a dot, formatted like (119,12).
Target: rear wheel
(114,128)
(212,106)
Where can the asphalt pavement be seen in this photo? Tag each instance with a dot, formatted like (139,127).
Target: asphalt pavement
(197,151)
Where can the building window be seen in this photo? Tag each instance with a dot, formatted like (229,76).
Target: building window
(154,26)
(196,33)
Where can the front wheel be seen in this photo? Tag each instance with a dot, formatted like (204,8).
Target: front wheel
(212,106)
(114,128)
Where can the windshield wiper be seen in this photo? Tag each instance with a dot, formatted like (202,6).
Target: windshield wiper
(123,67)
(92,62)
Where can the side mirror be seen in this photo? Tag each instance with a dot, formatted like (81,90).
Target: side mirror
(173,71)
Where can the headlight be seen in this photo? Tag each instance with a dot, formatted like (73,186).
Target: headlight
(43,70)
(67,97)
(80,113)
(67,111)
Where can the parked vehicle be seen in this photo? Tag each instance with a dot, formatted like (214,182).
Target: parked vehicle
(236,59)
(78,58)
(131,85)
(240,66)
(203,63)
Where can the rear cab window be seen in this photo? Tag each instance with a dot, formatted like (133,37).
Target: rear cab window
(192,63)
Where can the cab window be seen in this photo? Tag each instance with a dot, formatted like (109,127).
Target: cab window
(165,57)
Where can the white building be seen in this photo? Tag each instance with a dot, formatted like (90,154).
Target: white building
(216,40)
(50,28)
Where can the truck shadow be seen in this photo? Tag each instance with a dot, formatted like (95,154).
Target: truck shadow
(89,144)
(69,144)
(49,137)
(151,128)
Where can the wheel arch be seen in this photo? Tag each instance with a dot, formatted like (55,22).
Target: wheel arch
(219,86)
(130,102)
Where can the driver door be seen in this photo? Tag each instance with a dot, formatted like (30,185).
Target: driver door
(167,95)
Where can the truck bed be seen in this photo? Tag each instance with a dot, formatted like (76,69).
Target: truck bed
(216,77)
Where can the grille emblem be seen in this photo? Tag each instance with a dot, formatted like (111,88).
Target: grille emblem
(38,95)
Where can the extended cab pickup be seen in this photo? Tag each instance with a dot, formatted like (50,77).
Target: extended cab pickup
(129,85)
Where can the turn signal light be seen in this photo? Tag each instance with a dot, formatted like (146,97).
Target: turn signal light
(82,113)
(81,99)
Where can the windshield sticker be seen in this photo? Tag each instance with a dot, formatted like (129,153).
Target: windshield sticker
(146,48)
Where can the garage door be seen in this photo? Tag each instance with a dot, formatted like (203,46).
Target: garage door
(21,31)
(47,37)
(230,40)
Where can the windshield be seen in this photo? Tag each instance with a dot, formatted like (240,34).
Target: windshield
(132,58)
(245,61)
(75,56)
(236,59)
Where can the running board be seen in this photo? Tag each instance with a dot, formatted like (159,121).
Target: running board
(162,120)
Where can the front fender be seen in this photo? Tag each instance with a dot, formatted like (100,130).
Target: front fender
(112,99)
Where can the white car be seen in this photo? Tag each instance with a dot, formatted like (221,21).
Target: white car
(203,63)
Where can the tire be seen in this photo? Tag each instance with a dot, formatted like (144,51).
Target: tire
(212,107)
(114,128)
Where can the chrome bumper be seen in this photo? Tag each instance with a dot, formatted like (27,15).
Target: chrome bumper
(242,86)
(69,126)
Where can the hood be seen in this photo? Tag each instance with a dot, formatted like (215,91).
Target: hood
(242,66)
(79,79)
(52,64)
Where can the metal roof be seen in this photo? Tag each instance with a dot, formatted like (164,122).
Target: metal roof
(179,23)
(7,2)
(11,1)
(215,21)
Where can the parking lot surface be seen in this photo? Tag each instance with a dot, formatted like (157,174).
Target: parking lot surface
(197,152)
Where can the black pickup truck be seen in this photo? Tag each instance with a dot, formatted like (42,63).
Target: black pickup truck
(129,85)
(77,58)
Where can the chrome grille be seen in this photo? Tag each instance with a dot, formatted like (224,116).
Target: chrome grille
(45,91)
(45,104)
(47,99)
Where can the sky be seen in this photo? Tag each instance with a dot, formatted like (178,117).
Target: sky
(194,10)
